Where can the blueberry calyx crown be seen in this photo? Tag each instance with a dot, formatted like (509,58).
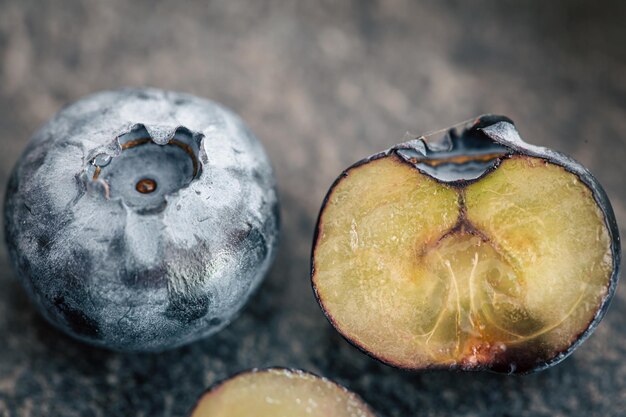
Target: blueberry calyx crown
(142,171)
(459,156)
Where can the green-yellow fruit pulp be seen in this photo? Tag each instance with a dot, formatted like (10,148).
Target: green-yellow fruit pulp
(422,274)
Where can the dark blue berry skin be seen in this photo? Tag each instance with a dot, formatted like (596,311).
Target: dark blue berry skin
(131,264)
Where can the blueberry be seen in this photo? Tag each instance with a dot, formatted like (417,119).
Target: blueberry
(279,392)
(477,252)
(140,219)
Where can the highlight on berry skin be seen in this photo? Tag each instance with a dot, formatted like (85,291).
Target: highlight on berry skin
(480,252)
(279,392)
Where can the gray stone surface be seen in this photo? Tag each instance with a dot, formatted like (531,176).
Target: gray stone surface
(322,84)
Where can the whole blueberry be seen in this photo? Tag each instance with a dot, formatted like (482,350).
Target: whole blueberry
(141,219)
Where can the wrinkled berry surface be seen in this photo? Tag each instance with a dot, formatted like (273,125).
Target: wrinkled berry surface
(141,219)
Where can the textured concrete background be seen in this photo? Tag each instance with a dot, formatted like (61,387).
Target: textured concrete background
(322,84)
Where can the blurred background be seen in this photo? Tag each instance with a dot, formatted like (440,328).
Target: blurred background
(322,84)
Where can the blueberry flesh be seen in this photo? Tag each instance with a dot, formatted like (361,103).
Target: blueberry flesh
(279,392)
(477,252)
(141,219)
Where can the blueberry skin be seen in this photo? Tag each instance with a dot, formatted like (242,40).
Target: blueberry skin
(119,272)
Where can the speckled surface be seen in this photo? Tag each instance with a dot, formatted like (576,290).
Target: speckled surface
(322,86)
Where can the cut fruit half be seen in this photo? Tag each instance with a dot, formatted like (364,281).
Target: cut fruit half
(487,253)
(279,393)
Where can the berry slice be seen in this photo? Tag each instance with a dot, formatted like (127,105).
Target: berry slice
(280,393)
(486,254)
